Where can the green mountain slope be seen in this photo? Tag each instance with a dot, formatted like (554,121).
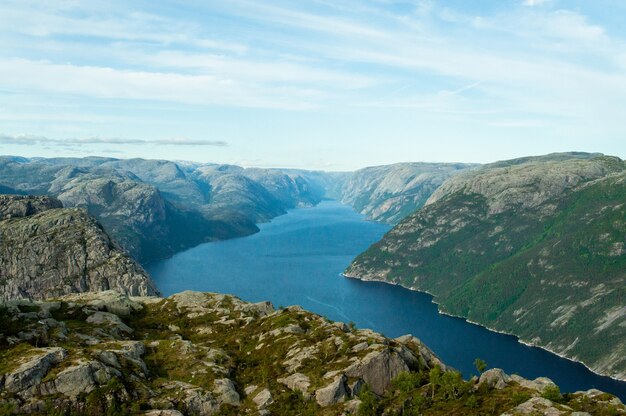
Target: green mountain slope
(536,248)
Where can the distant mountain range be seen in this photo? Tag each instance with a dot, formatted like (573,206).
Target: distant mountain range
(155,208)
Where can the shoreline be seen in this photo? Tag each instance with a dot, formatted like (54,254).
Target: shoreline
(521,341)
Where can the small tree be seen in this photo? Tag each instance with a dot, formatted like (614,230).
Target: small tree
(480,365)
(452,384)
(434,377)
(552,393)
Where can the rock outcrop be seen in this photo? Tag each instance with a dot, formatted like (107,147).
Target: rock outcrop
(46,250)
(15,206)
(202,354)
(533,247)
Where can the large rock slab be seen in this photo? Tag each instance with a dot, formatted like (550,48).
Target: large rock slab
(334,393)
(377,369)
(32,371)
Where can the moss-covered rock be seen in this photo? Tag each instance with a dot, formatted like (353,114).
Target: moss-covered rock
(204,353)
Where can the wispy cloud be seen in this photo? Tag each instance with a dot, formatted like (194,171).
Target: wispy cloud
(353,69)
(25,139)
(532,3)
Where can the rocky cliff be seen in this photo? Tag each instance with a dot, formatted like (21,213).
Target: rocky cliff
(391,192)
(203,354)
(155,208)
(534,247)
(47,250)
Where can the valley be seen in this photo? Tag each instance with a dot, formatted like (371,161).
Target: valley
(529,247)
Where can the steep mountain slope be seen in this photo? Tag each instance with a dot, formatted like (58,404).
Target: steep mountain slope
(534,247)
(156,208)
(389,193)
(47,250)
(202,354)
(146,224)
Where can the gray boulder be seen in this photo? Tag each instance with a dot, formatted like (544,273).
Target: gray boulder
(31,372)
(377,369)
(297,382)
(224,390)
(494,378)
(263,399)
(334,393)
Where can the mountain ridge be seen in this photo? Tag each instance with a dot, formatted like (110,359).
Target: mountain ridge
(545,266)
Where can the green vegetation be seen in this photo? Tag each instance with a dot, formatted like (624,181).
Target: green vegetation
(553,274)
(187,351)
(480,365)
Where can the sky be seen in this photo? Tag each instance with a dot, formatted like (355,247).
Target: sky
(317,84)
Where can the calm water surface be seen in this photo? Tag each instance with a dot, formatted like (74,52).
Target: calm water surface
(297,259)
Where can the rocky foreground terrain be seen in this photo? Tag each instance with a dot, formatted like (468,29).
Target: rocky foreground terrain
(202,354)
(535,247)
(47,250)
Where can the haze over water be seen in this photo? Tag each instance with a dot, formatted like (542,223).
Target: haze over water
(297,259)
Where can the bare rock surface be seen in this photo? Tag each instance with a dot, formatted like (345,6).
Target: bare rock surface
(151,355)
(51,251)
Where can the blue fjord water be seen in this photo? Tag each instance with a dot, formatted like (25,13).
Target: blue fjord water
(297,259)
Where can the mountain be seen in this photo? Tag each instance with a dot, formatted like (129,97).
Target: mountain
(389,193)
(534,247)
(155,208)
(203,353)
(47,250)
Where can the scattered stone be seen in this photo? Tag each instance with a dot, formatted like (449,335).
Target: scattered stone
(225,391)
(334,393)
(297,381)
(494,378)
(342,326)
(536,406)
(539,384)
(260,308)
(360,347)
(163,413)
(263,399)
(107,318)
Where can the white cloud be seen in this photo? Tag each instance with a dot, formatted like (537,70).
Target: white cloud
(25,140)
(531,3)
(104,82)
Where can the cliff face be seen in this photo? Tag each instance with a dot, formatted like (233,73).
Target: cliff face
(47,250)
(202,354)
(155,208)
(391,192)
(533,247)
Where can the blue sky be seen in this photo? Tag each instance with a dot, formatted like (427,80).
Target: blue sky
(315,84)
